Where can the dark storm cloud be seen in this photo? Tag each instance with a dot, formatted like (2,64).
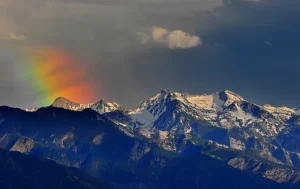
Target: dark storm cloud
(234,54)
(235,51)
(104,36)
(263,73)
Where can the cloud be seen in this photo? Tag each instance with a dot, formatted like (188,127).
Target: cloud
(12,37)
(144,38)
(176,39)
(182,40)
(160,34)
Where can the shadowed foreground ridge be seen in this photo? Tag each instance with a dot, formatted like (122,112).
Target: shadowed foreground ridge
(19,171)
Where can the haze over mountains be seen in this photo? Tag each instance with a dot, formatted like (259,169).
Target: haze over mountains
(198,134)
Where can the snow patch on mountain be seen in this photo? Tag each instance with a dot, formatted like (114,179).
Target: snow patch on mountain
(237,144)
(242,115)
(205,101)
(231,97)
(105,106)
(148,112)
(30,109)
(283,112)
(119,123)
(163,135)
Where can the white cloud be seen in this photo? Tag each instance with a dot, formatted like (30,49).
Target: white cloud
(12,37)
(176,39)
(182,40)
(160,34)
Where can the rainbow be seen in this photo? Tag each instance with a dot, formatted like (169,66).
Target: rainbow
(52,73)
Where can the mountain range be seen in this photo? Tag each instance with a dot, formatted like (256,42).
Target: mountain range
(189,133)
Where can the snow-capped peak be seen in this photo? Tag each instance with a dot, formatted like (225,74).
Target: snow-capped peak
(148,112)
(212,101)
(166,93)
(229,97)
(159,98)
(104,106)
(223,109)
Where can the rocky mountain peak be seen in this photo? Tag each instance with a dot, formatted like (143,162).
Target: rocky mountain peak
(165,91)
(104,106)
(229,97)
(225,97)
(61,101)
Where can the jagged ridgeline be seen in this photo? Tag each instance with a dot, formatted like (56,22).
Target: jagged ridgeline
(211,141)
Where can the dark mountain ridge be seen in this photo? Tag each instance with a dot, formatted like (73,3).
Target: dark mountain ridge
(19,171)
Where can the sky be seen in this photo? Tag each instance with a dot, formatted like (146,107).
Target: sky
(128,50)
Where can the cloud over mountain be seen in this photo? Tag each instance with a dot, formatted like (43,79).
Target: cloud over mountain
(176,39)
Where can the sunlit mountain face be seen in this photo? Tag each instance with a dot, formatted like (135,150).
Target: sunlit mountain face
(82,105)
